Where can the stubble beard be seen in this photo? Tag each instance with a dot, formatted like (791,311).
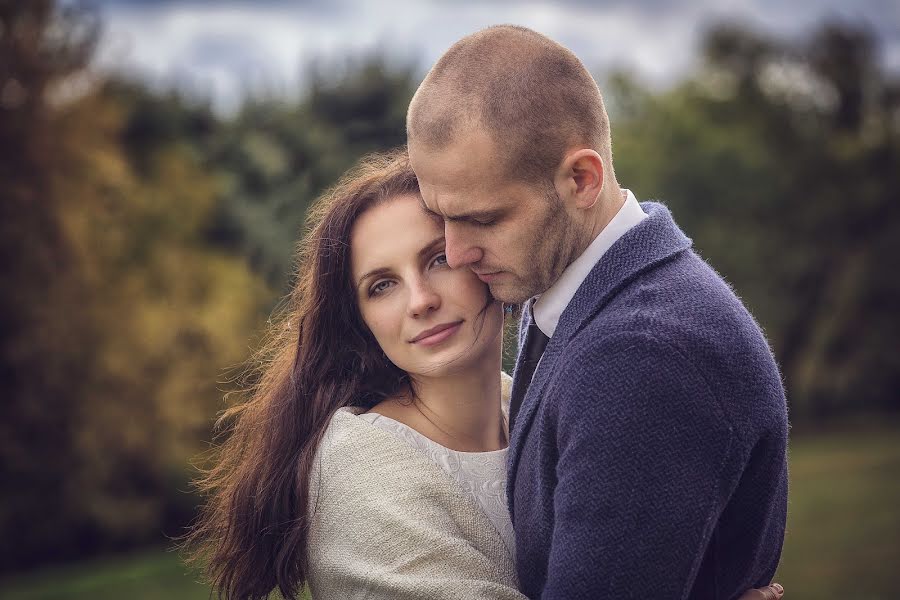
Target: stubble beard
(550,258)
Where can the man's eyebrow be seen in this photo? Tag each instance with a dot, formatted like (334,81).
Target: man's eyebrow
(469,216)
(475,215)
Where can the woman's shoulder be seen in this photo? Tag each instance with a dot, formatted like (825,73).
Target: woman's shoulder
(376,501)
(351,445)
(353,451)
(359,458)
(342,432)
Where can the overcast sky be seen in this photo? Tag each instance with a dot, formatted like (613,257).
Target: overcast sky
(221,49)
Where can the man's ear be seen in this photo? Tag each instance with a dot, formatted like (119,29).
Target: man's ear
(579,179)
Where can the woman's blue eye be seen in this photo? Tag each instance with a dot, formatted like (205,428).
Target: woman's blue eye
(440,259)
(379,287)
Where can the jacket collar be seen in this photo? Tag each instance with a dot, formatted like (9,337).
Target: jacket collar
(549,306)
(651,242)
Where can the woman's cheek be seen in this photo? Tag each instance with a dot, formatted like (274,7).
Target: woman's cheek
(463,278)
(391,314)
(374,320)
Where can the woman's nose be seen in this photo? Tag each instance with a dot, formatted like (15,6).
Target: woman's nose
(423,298)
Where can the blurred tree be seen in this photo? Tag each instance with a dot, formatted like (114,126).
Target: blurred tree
(43,322)
(133,224)
(120,317)
(144,239)
(782,161)
(274,159)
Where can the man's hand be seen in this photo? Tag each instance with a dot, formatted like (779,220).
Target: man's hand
(770,592)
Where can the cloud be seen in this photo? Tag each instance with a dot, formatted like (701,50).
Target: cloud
(226,49)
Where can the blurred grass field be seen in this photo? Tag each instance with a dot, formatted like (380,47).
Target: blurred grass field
(843,536)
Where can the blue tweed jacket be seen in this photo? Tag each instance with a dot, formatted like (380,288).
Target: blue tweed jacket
(648,459)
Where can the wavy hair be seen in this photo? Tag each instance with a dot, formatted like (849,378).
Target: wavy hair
(252,533)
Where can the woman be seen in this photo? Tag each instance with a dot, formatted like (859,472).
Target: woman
(369,459)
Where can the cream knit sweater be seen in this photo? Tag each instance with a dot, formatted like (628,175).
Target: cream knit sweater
(388,523)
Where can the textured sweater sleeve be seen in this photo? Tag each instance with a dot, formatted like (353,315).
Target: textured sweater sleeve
(643,447)
(389,524)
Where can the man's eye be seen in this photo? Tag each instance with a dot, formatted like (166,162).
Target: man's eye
(483,222)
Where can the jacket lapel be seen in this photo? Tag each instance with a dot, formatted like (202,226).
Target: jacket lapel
(653,241)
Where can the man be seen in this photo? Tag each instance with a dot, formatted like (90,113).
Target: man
(648,448)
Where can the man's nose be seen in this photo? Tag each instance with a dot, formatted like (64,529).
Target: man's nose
(423,298)
(459,249)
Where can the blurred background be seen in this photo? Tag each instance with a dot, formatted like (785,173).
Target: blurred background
(157,160)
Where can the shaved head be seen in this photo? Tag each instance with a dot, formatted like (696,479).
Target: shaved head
(531,95)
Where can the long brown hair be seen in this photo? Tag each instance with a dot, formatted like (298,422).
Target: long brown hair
(252,533)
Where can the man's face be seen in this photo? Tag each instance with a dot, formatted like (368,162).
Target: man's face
(515,236)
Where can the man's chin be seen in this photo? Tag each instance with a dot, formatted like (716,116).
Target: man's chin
(508,292)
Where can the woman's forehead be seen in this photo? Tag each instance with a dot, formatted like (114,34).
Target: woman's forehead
(393,229)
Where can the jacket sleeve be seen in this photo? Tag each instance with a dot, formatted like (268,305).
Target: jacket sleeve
(392,526)
(645,465)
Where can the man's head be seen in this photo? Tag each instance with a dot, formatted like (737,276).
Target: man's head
(510,141)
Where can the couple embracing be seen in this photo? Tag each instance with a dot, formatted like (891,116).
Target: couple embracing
(637,451)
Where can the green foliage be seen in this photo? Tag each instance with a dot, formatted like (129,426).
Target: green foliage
(274,158)
(146,576)
(144,240)
(781,161)
(123,318)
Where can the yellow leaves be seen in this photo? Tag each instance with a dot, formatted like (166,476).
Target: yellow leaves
(169,314)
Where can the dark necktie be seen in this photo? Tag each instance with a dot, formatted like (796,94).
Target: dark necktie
(535,342)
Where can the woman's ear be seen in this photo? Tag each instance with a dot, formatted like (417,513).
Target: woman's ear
(579,179)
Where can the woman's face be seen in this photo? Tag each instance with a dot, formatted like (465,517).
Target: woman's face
(428,319)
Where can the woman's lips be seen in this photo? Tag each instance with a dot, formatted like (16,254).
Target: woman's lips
(436,335)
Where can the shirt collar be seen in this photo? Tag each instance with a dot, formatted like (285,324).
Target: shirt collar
(549,306)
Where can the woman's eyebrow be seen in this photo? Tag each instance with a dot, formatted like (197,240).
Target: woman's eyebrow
(372,273)
(431,246)
(421,255)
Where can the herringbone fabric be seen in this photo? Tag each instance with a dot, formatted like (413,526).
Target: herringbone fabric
(648,458)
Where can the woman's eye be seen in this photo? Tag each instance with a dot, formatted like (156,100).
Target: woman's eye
(439,260)
(380,287)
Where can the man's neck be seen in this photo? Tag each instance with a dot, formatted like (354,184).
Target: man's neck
(611,222)
(607,207)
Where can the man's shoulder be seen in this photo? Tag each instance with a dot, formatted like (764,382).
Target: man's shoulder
(680,302)
(681,327)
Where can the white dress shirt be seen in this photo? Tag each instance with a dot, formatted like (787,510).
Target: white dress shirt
(550,305)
